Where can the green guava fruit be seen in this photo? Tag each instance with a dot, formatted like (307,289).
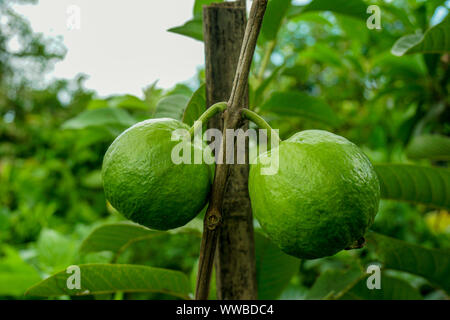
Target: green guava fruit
(142,182)
(321,200)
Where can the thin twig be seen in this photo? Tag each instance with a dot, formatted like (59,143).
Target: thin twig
(265,61)
(232,118)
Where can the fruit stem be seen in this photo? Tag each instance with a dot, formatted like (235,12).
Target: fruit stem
(260,122)
(208,114)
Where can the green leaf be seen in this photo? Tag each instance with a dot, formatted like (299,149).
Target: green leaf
(353,8)
(355,29)
(391,289)
(435,40)
(97,103)
(332,284)
(432,264)
(110,118)
(312,17)
(322,53)
(411,67)
(416,184)
(114,236)
(298,72)
(273,18)
(109,278)
(152,94)
(171,106)
(127,101)
(298,104)
(196,106)
(117,237)
(92,180)
(427,146)
(96,135)
(198,7)
(55,251)
(399,14)
(180,88)
(192,29)
(257,96)
(15,275)
(274,268)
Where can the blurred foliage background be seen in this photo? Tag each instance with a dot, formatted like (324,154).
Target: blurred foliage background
(53,137)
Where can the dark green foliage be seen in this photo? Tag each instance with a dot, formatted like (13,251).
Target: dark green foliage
(316,67)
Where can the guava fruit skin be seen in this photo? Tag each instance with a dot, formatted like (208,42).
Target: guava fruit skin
(141,181)
(323,198)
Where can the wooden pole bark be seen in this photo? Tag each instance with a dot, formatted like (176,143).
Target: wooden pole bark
(229,51)
(224,28)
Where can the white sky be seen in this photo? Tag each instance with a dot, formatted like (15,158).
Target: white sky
(122,45)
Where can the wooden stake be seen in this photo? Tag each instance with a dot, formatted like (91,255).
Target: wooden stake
(232,120)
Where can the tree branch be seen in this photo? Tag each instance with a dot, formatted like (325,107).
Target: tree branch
(232,118)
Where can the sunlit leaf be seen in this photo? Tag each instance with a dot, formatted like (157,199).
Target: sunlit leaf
(180,88)
(435,40)
(103,117)
(433,147)
(15,275)
(127,101)
(196,106)
(171,106)
(198,6)
(301,105)
(152,95)
(432,264)
(97,103)
(55,251)
(417,184)
(109,278)
(192,29)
